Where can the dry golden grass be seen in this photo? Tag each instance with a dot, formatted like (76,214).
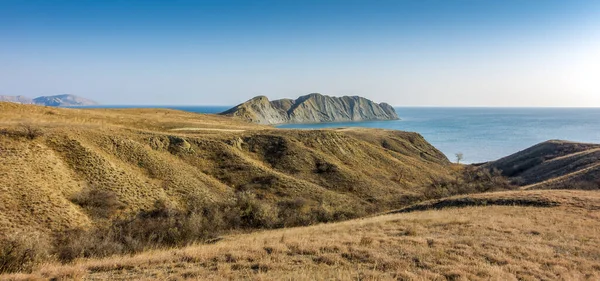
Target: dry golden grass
(55,160)
(471,243)
(51,155)
(554,164)
(138,119)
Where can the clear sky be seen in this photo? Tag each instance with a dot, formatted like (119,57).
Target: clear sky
(404,52)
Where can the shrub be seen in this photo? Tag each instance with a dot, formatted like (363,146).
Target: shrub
(163,225)
(325,167)
(31,132)
(21,251)
(78,243)
(99,203)
(301,212)
(167,225)
(249,212)
(296,212)
(470,179)
(26,130)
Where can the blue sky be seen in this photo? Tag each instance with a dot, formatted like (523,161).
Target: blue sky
(421,52)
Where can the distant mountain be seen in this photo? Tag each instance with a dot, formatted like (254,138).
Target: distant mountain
(63,100)
(58,100)
(16,99)
(313,108)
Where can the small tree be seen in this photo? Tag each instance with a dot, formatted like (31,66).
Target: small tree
(459,157)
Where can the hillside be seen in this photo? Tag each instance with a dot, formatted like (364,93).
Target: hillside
(58,100)
(66,169)
(552,237)
(553,165)
(313,108)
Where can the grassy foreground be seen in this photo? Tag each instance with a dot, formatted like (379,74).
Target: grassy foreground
(556,239)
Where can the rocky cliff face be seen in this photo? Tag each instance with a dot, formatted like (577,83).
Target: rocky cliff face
(313,108)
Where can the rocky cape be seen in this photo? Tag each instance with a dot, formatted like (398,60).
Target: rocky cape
(313,108)
(58,100)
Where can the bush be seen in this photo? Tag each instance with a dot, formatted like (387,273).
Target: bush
(28,131)
(21,251)
(78,243)
(166,225)
(296,212)
(470,179)
(249,212)
(163,225)
(31,132)
(99,203)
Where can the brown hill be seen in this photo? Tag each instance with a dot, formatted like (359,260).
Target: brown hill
(553,165)
(313,108)
(57,161)
(555,239)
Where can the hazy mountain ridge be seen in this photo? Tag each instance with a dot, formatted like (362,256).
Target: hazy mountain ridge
(312,108)
(57,100)
(16,99)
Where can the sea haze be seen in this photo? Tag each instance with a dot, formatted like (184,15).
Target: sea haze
(481,134)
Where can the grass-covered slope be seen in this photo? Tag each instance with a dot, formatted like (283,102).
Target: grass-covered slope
(555,239)
(553,165)
(60,167)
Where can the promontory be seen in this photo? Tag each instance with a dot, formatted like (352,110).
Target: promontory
(312,108)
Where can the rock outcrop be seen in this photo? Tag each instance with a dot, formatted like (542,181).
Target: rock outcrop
(59,100)
(313,108)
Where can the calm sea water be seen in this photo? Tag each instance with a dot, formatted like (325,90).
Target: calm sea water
(484,134)
(481,134)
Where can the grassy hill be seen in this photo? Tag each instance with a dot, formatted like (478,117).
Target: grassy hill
(541,235)
(67,172)
(79,184)
(553,165)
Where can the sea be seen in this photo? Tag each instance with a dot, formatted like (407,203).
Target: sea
(480,134)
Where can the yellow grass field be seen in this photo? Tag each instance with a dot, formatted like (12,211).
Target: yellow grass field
(471,243)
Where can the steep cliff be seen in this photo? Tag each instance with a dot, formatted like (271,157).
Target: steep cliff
(313,108)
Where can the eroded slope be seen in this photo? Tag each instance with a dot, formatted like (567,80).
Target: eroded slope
(51,156)
(553,165)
